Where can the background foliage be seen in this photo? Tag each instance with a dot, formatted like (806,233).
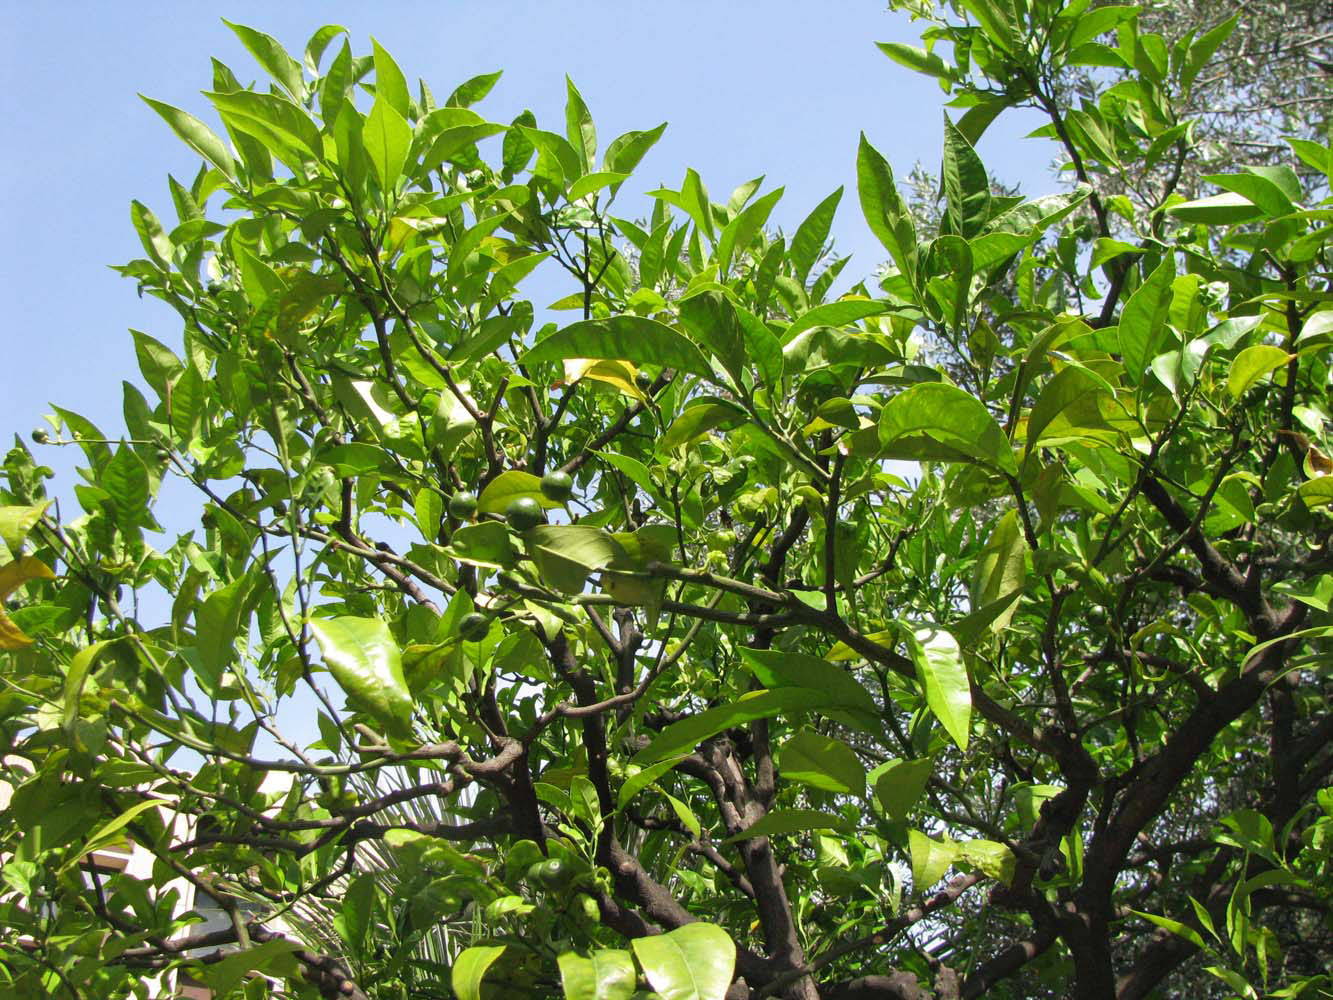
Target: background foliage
(637,666)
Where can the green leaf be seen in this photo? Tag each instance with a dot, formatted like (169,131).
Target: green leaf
(811,236)
(483,544)
(606,974)
(283,127)
(155,241)
(364,659)
(978,118)
(642,778)
(390,84)
(694,962)
(125,478)
(216,625)
(1317,492)
(779,669)
(470,91)
(1267,193)
(701,416)
(740,232)
(762,348)
(357,458)
(566,553)
(196,135)
(1317,325)
(1216,210)
(589,183)
(1175,927)
(917,59)
(16,522)
(1202,48)
(781,822)
(940,668)
(270,54)
(885,211)
(990,858)
(470,968)
(509,486)
(77,675)
(1069,408)
(1252,365)
(356,913)
(900,785)
(1143,320)
(624,338)
(273,957)
(387,136)
(683,736)
(319,42)
(822,762)
(112,831)
(966,186)
(931,858)
(843,312)
(590,546)
(1001,570)
(712,321)
(625,152)
(934,420)
(579,127)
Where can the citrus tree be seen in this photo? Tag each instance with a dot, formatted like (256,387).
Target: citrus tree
(694,636)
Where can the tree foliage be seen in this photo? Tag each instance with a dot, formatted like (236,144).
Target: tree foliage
(638,665)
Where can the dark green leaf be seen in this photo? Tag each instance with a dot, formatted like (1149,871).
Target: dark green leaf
(684,736)
(781,822)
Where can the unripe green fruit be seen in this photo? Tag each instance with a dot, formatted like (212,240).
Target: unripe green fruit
(551,874)
(724,538)
(40,435)
(558,486)
(524,513)
(463,505)
(474,627)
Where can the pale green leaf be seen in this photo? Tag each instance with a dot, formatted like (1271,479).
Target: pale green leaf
(694,962)
(365,660)
(940,668)
(605,974)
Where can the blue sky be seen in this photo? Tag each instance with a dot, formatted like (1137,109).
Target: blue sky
(776,88)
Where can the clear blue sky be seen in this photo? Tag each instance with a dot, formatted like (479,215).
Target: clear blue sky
(775,88)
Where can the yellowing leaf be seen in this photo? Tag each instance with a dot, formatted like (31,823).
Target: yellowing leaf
(12,576)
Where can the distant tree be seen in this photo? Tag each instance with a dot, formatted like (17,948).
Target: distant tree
(636,669)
